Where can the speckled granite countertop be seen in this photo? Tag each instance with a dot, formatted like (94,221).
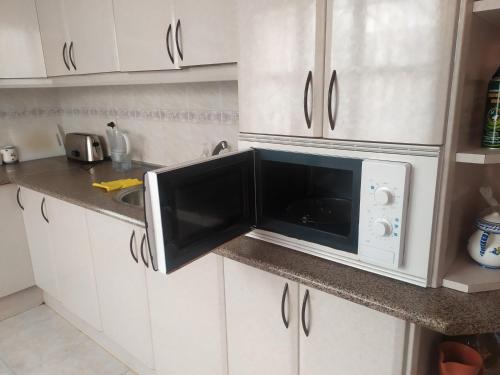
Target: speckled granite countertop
(442,310)
(72,182)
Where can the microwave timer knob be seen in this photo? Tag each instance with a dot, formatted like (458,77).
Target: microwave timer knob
(383,196)
(382,227)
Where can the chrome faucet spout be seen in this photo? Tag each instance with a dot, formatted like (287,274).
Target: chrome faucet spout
(222,145)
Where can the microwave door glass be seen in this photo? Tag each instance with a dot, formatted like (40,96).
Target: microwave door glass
(204,205)
(309,197)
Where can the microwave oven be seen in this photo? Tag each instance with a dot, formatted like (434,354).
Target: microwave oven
(350,207)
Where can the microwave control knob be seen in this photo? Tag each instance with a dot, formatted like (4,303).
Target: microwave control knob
(382,227)
(383,196)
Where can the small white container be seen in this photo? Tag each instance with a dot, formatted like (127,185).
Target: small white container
(9,154)
(484,244)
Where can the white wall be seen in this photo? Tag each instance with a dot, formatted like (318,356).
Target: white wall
(166,123)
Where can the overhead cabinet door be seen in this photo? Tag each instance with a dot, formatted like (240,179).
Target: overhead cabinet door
(206,31)
(281,66)
(388,69)
(145,32)
(22,55)
(78,36)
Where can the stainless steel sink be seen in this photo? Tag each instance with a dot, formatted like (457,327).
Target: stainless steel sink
(132,196)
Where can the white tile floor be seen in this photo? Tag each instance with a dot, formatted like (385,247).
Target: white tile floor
(40,342)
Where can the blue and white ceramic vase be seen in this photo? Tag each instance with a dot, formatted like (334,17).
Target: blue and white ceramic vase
(484,244)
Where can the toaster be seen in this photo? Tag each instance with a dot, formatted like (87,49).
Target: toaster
(84,147)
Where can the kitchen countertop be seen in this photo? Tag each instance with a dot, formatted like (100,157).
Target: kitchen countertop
(442,310)
(71,181)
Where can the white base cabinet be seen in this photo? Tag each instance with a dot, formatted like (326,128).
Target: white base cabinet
(347,338)
(188,319)
(40,242)
(73,259)
(258,340)
(121,284)
(342,337)
(16,272)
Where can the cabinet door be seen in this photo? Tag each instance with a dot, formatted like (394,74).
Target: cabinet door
(388,69)
(55,36)
(20,36)
(346,338)
(39,241)
(188,320)
(258,340)
(142,29)
(281,66)
(121,284)
(16,272)
(207,31)
(73,260)
(91,27)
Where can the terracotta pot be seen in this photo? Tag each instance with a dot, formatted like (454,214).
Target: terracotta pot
(459,359)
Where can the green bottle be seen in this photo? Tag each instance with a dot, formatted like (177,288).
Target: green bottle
(491,131)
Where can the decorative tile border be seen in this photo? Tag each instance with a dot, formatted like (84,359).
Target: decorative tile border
(187,116)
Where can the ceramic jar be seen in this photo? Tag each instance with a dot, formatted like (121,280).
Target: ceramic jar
(484,244)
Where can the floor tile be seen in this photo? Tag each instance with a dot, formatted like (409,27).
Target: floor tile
(42,343)
(4,370)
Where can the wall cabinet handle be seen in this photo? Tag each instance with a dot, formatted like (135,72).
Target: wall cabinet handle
(64,55)
(42,209)
(169,33)
(177,42)
(304,305)
(72,55)
(144,258)
(284,297)
(331,116)
(306,100)
(18,199)
(131,247)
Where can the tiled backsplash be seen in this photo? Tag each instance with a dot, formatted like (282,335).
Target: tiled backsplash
(166,123)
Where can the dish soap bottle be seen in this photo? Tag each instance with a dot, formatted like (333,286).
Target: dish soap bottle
(119,148)
(491,131)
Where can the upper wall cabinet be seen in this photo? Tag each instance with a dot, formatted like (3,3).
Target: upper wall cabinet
(281,66)
(388,67)
(163,34)
(78,36)
(22,55)
(206,32)
(145,34)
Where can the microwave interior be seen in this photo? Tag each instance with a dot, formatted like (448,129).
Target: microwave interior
(309,197)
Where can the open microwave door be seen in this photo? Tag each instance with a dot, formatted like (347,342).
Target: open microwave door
(193,208)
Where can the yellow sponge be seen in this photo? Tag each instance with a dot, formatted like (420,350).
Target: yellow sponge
(117,184)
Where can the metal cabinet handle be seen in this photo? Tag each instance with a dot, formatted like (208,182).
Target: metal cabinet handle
(304,305)
(144,258)
(306,101)
(64,56)
(177,43)
(331,117)
(283,299)
(131,246)
(18,198)
(72,55)
(42,206)
(169,32)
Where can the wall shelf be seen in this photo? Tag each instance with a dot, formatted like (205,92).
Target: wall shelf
(208,73)
(488,9)
(478,156)
(467,276)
